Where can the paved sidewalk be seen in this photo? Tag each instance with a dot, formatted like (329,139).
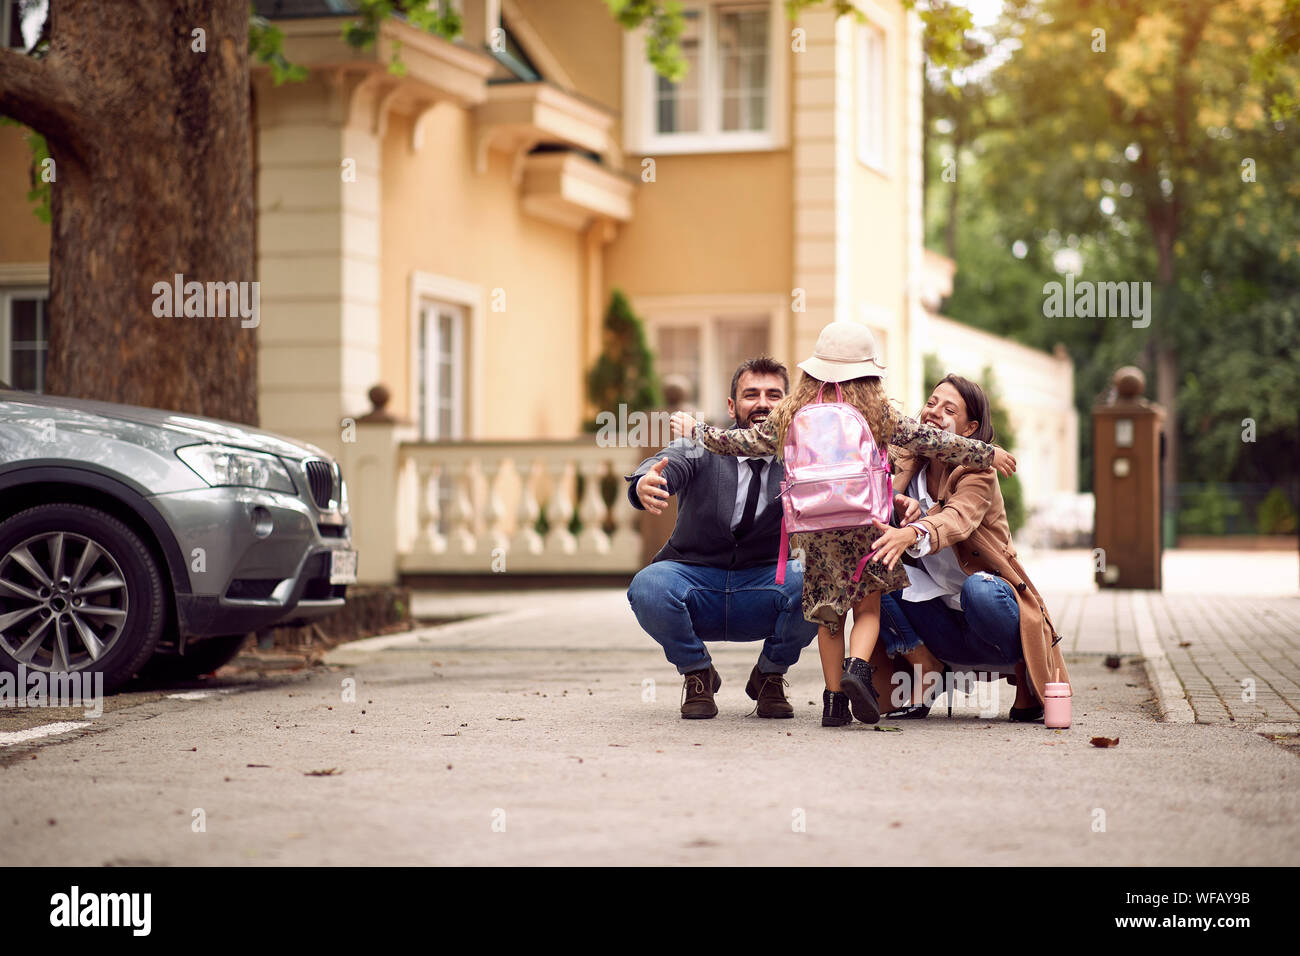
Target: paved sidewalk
(1232,644)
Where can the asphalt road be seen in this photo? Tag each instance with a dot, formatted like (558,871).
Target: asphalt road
(534,737)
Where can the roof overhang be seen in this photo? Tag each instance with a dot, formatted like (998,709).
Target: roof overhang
(434,70)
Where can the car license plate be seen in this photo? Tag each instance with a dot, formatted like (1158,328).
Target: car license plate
(343,567)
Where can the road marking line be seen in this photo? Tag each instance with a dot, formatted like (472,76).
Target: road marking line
(1170,696)
(45,730)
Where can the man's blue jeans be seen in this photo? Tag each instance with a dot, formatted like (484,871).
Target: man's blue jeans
(683,605)
(984,635)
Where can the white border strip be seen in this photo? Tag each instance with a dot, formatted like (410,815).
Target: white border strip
(45,730)
(1174,707)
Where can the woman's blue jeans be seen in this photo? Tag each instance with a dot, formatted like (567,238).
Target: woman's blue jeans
(983,636)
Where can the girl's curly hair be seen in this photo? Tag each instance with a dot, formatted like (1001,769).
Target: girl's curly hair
(866,394)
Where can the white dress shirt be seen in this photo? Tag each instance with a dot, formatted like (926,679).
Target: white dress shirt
(743,477)
(940,575)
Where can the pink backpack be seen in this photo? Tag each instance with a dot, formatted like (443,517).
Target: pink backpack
(835,476)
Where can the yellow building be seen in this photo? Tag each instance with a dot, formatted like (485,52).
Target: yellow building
(454,232)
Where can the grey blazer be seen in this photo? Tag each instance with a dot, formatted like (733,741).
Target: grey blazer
(705,486)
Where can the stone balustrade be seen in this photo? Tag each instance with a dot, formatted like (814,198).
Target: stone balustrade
(473,507)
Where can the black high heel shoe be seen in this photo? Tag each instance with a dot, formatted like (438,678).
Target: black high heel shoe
(922,711)
(910,712)
(1027,715)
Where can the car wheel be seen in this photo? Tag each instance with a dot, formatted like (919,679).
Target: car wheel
(79,592)
(200,657)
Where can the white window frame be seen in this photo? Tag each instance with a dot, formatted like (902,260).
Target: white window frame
(704,312)
(431,310)
(425,289)
(7,295)
(640,102)
(871,88)
(5,38)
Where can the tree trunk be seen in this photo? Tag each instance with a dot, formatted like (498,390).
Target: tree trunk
(153,178)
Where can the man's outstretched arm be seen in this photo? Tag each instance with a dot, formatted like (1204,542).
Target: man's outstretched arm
(670,471)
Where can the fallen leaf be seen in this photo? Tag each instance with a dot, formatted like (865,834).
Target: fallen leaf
(624,745)
(896,823)
(1104,741)
(456,734)
(506,718)
(1184,643)
(887,730)
(332,771)
(265,765)
(1113,661)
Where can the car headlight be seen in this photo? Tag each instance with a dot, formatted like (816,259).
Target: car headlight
(224,465)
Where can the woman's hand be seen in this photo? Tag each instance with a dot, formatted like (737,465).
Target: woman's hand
(1004,462)
(889,547)
(907,509)
(681,424)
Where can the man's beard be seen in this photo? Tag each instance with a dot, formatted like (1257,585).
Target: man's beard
(754,418)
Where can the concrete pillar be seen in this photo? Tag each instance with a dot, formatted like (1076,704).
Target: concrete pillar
(319,201)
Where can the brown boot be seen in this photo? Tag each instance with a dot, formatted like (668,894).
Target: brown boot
(769,691)
(697,694)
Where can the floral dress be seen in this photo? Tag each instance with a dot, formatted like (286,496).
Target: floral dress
(832,556)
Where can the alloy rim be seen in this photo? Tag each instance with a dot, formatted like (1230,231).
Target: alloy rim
(63,602)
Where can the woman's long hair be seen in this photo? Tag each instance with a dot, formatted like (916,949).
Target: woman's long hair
(866,394)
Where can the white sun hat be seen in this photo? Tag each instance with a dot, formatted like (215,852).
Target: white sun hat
(844,350)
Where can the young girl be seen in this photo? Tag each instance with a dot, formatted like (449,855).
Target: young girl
(845,353)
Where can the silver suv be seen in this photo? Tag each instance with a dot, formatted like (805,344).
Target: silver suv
(127,532)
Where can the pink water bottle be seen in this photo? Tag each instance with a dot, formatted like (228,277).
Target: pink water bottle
(1056,704)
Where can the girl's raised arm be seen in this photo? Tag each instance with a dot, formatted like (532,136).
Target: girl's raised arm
(759,440)
(930,442)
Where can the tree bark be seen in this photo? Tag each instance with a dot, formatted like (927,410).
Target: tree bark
(151,143)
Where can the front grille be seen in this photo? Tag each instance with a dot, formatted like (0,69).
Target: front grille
(321,478)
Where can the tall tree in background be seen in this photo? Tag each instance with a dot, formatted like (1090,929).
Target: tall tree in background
(1137,141)
(152,153)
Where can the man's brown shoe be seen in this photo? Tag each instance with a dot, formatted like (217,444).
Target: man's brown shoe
(697,694)
(769,691)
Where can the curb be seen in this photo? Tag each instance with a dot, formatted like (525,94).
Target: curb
(1170,695)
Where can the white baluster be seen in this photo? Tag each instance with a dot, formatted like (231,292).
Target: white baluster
(526,539)
(625,539)
(559,511)
(461,541)
(429,540)
(494,510)
(592,510)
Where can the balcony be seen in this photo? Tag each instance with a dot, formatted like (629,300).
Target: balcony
(519,116)
(569,190)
